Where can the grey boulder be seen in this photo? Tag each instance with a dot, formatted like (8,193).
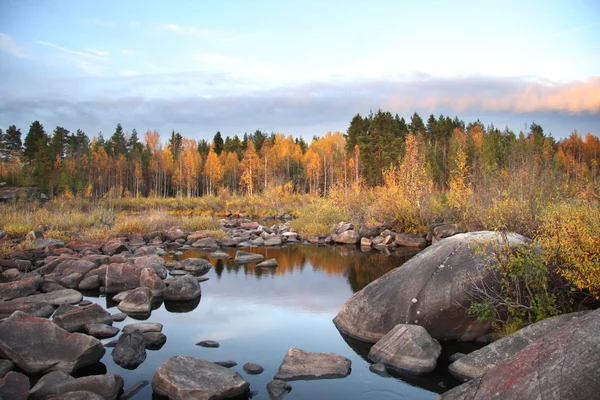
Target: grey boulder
(347,237)
(130,350)
(304,365)
(278,389)
(20,288)
(183,288)
(197,266)
(137,301)
(76,319)
(243,257)
(57,383)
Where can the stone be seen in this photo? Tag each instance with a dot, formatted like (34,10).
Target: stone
(343,227)
(379,369)
(561,365)
(37,345)
(219,254)
(253,369)
(132,391)
(76,319)
(439,279)
(20,288)
(98,259)
(56,298)
(259,241)
(270,263)
(243,257)
(407,349)
(57,383)
(138,301)
(228,242)
(183,288)
(206,243)
(63,309)
(143,327)
(208,343)
(276,241)
(118,317)
(68,267)
(410,240)
(175,233)
(304,365)
(50,285)
(150,280)
(154,340)
(19,265)
(197,266)
(347,237)
(14,386)
(41,309)
(365,242)
(71,281)
(480,361)
(187,378)
(6,366)
(130,350)
(32,235)
(44,243)
(92,282)
(101,331)
(10,275)
(446,230)
(226,363)
(114,246)
(249,225)
(119,297)
(78,395)
(120,277)
(278,389)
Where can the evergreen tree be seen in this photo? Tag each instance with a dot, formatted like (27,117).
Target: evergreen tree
(35,135)
(118,143)
(203,148)
(175,144)
(133,144)
(11,142)
(258,138)
(59,141)
(218,143)
(416,124)
(100,142)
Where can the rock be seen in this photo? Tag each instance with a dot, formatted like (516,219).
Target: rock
(561,365)
(253,369)
(229,242)
(90,283)
(132,391)
(6,366)
(183,288)
(303,365)
(50,285)
(347,237)
(44,243)
(254,242)
(32,235)
(456,356)
(270,263)
(98,259)
(364,242)
(19,265)
(273,242)
(150,280)
(143,327)
(249,225)
(130,350)
(113,247)
(68,267)
(119,297)
(206,243)
(14,386)
(220,254)
(71,281)
(63,309)
(243,257)
(431,289)
(226,364)
(176,273)
(344,227)
(56,298)
(369,231)
(76,319)
(197,266)
(38,345)
(186,378)
(10,275)
(410,240)
(480,361)
(154,340)
(174,233)
(20,288)
(57,382)
(407,349)
(43,310)
(120,277)
(78,395)
(208,343)
(446,230)
(138,301)
(118,317)
(379,369)
(101,331)
(278,389)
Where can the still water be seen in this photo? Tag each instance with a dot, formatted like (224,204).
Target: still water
(258,314)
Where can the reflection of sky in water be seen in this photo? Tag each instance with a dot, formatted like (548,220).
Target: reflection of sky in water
(258,318)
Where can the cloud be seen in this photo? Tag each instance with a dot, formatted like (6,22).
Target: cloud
(127,52)
(66,50)
(8,45)
(186,30)
(99,52)
(90,62)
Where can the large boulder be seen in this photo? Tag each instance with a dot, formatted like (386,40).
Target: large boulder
(149,279)
(14,386)
(183,288)
(480,361)
(431,289)
(20,288)
(40,309)
(120,277)
(57,383)
(561,365)
(197,266)
(37,345)
(347,237)
(138,301)
(407,349)
(114,246)
(69,267)
(56,298)
(243,257)
(76,319)
(304,365)
(130,350)
(408,239)
(143,327)
(187,378)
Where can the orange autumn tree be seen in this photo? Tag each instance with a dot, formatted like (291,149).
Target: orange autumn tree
(250,169)
(212,172)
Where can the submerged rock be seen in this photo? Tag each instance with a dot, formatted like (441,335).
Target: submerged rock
(304,365)
(143,327)
(183,377)
(270,263)
(243,257)
(197,266)
(208,343)
(278,389)
(407,348)
(226,363)
(431,290)
(253,369)
(58,383)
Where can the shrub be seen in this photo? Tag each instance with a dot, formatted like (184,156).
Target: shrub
(318,218)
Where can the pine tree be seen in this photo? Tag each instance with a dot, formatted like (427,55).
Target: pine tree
(218,143)
(59,141)
(118,143)
(11,142)
(175,144)
(35,135)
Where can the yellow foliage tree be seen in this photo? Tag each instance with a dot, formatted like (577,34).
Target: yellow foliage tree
(212,171)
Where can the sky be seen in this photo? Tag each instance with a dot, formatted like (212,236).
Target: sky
(297,67)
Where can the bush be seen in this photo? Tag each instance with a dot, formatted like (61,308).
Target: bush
(318,218)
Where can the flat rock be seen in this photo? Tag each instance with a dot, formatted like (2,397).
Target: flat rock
(480,361)
(187,378)
(138,301)
(113,247)
(38,345)
(78,395)
(278,389)
(243,257)
(275,241)
(76,319)
(101,331)
(132,391)
(154,340)
(43,243)
(6,366)
(304,365)
(120,277)
(14,386)
(206,243)
(182,289)
(118,317)
(410,240)
(270,263)
(208,343)
(197,266)
(56,298)
(431,289)
(143,327)
(57,383)
(130,350)
(20,288)
(220,254)
(407,349)
(69,267)
(561,365)
(91,282)
(43,310)
(253,369)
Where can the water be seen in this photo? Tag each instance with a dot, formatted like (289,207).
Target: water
(257,315)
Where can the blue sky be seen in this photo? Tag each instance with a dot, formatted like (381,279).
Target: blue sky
(298,67)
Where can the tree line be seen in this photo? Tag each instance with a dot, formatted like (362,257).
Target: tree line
(448,153)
